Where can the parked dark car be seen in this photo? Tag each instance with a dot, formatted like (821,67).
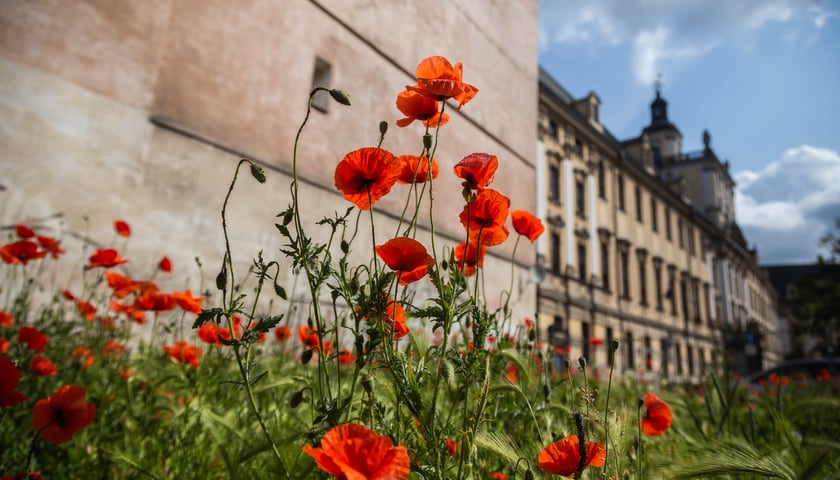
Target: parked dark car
(810,369)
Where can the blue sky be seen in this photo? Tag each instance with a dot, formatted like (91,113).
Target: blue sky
(763,76)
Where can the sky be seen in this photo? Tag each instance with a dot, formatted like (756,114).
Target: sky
(763,76)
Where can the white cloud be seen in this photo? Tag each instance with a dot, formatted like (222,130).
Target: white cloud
(788,205)
(670,31)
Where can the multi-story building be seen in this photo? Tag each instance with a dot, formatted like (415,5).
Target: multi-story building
(642,246)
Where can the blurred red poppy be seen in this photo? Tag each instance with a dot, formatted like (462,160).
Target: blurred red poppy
(113,347)
(187,302)
(282,333)
(23,231)
(467,259)
(563,456)
(50,246)
(122,228)
(9,378)
(416,106)
(184,352)
(165,265)
(105,258)
(353,452)
(6,319)
(657,417)
(21,252)
(485,217)
(86,310)
(477,170)
(33,339)
(59,417)
(346,357)
(366,175)
(526,224)
(122,285)
(155,301)
(451,447)
(498,476)
(407,257)
(415,169)
(439,79)
(596,341)
(512,373)
(42,366)
(68,295)
(4,345)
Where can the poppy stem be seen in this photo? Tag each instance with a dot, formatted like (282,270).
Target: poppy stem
(639,440)
(581,434)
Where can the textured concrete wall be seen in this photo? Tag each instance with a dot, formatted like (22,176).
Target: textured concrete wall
(80,81)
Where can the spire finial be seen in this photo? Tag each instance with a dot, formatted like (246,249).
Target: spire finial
(658,84)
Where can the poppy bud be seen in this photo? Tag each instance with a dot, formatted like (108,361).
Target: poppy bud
(444,265)
(532,335)
(257,172)
(221,278)
(444,372)
(582,362)
(529,475)
(287,217)
(383,127)
(367,383)
(334,295)
(280,291)
(546,391)
(296,399)
(614,344)
(340,97)
(427,141)
(306,356)
(345,247)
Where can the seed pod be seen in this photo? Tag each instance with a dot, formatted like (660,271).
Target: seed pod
(296,399)
(306,356)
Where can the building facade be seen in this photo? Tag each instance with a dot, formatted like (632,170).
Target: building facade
(642,246)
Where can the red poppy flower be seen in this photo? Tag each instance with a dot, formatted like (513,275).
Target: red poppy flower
(282,333)
(42,366)
(122,228)
(187,302)
(407,257)
(155,301)
(6,319)
(122,285)
(366,175)
(657,417)
(4,345)
(416,106)
(485,217)
(596,341)
(498,476)
(165,265)
(353,452)
(529,324)
(23,231)
(563,456)
(59,417)
(526,224)
(50,246)
(451,447)
(68,295)
(21,252)
(23,476)
(209,333)
(184,352)
(308,336)
(85,356)
(512,373)
(415,169)
(113,347)
(477,170)
(105,258)
(33,339)
(467,259)
(346,357)
(9,378)
(437,78)
(86,310)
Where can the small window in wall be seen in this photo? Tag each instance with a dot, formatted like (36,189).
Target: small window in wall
(585,347)
(639,207)
(654,214)
(689,353)
(582,262)
(668,224)
(631,360)
(555,253)
(610,352)
(620,192)
(648,354)
(553,130)
(605,265)
(554,183)
(602,181)
(321,77)
(580,197)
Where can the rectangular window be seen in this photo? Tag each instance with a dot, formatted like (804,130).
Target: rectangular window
(654,215)
(625,276)
(657,280)
(639,204)
(321,77)
(605,265)
(691,240)
(689,353)
(581,251)
(648,354)
(667,224)
(555,253)
(684,300)
(578,148)
(585,347)
(602,181)
(680,234)
(554,183)
(621,192)
(610,353)
(580,198)
(672,290)
(631,361)
(664,345)
(695,299)
(553,130)
(678,354)
(642,282)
